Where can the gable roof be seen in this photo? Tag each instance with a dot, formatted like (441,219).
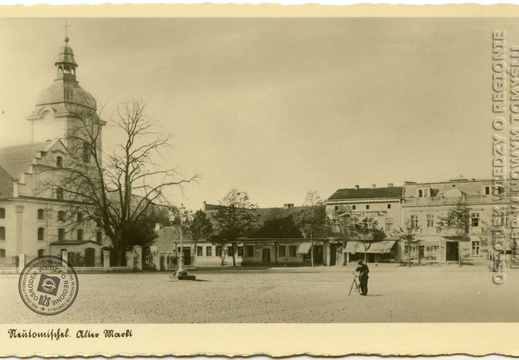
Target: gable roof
(16,159)
(6,184)
(368,193)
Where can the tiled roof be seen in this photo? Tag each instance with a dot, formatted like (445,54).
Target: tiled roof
(6,183)
(368,193)
(16,159)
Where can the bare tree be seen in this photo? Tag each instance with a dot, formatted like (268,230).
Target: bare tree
(311,220)
(200,227)
(235,217)
(458,220)
(116,188)
(407,235)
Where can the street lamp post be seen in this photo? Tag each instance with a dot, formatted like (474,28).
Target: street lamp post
(181,270)
(181,273)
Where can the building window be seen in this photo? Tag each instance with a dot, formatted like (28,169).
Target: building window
(487,190)
(2,233)
(61,216)
(41,214)
(99,237)
(99,222)
(230,252)
(41,252)
(336,207)
(389,206)
(2,213)
(2,256)
(41,234)
(209,251)
(423,192)
(353,207)
(249,250)
(389,224)
(475,248)
(367,207)
(240,251)
(218,251)
(431,252)
(474,219)
(59,193)
(80,234)
(282,250)
(79,217)
(414,221)
(292,250)
(179,249)
(86,152)
(430,220)
(59,162)
(199,251)
(61,234)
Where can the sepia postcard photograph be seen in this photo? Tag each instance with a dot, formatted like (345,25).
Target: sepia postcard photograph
(240,185)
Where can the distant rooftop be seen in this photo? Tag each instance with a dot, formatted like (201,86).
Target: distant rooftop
(368,193)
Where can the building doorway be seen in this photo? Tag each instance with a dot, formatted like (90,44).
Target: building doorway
(318,254)
(90,257)
(452,251)
(265,255)
(333,254)
(187,256)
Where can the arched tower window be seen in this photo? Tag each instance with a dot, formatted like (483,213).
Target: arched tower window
(41,214)
(61,215)
(2,213)
(86,152)
(59,162)
(2,233)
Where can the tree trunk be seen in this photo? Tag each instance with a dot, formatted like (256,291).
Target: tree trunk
(312,250)
(409,255)
(459,253)
(234,254)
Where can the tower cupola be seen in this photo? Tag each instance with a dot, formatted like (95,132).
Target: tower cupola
(66,64)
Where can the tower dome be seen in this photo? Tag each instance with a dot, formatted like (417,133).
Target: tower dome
(65,90)
(58,105)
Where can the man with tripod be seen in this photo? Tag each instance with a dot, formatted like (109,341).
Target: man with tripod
(363,277)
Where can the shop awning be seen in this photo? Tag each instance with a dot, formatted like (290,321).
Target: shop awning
(304,248)
(375,247)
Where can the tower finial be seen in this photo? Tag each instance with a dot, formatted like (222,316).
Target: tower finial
(66,31)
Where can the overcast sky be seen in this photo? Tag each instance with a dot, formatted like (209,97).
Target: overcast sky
(277,107)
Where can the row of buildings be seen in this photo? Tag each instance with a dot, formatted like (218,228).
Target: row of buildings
(421,204)
(35,220)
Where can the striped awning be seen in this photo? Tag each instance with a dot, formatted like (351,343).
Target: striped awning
(304,248)
(371,247)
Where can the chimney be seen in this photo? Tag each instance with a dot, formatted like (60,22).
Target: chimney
(204,205)
(357,187)
(373,186)
(389,184)
(157,228)
(288,206)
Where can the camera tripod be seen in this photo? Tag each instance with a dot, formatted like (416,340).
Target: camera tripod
(355,284)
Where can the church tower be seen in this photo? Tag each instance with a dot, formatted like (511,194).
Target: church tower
(58,107)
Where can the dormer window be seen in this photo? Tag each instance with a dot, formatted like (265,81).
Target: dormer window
(423,192)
